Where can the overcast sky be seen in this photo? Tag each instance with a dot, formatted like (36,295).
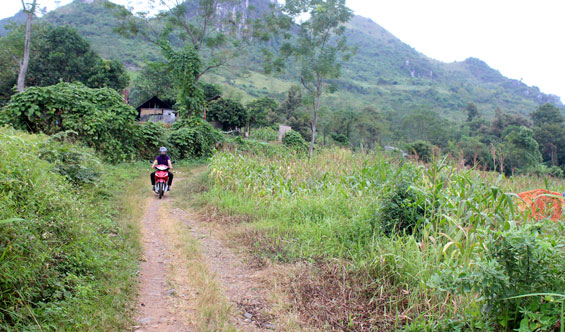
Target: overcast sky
(523,39)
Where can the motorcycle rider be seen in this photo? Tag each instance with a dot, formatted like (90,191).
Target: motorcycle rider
(162,159)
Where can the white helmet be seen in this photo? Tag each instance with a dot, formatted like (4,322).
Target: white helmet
(163,149)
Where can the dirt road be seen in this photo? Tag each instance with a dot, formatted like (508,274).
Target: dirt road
(189,280)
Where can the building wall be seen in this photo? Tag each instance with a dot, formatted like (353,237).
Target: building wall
(282,131)
(169,116)
(157,115)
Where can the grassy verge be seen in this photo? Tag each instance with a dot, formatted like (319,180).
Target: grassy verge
(407,246)
(68,243)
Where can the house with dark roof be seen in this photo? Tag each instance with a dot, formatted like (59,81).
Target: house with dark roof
(156,110)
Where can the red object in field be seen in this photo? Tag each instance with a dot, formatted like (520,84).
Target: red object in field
(541,204)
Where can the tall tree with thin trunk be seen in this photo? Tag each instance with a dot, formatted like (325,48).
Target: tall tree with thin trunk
(320,47)
(29,10)
(216,29)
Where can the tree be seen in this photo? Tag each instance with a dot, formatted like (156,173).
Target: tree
(29,10)
(154,79)
(61,54)
(230,113)
(185,67)
(372,126)
(547,114)
(211,91)
(474,152)
(262,112)
(521,150)
(472,112)
(291,104)
(214,28)
(551,140)
(427,126)
(502,121)
(108,74)
(320,47)
(292,113)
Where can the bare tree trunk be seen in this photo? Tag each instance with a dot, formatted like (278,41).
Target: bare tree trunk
(315,120)
(493,154)
(25,62)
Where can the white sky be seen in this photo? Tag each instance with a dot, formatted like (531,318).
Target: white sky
(523,39)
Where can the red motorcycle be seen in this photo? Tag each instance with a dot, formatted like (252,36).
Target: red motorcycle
(161,180)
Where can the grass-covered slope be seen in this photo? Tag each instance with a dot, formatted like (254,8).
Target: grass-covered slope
(67,261)
(96,22)
(386,73)
(414,247)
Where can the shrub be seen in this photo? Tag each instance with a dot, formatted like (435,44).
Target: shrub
(401,210)
(340,139)
(542,170)
(148,138)
(521,261)
(421,149)
(294,140)
(79,166)
(62,253)
(193,138)
(99,117)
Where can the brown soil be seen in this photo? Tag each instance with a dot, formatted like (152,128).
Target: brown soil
(243,286)
(166,296)
(155,305)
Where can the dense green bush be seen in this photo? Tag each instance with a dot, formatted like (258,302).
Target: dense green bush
(420,149)
(401,210)
(193,138)
(100,117)
(294,140)
(149,137)
(63,254)
(542,170)
(230,113)
(78,165)
(340,139)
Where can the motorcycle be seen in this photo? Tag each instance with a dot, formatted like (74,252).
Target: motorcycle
(161,180)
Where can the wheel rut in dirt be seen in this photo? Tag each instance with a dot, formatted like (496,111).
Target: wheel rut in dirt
(155,306)
(243,286)
(185,263)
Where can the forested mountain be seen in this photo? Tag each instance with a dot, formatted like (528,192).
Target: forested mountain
(386,73)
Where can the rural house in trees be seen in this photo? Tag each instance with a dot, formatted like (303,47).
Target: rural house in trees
(156,110)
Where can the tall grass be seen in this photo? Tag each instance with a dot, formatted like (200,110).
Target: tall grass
(450,242)
(67,261)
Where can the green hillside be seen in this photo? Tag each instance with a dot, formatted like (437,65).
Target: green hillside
(385,73)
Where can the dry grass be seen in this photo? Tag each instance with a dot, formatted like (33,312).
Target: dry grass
(211,308)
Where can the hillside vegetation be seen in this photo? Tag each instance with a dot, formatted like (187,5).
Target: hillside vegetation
(386,73)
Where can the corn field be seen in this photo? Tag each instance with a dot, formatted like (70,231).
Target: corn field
(443,248)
